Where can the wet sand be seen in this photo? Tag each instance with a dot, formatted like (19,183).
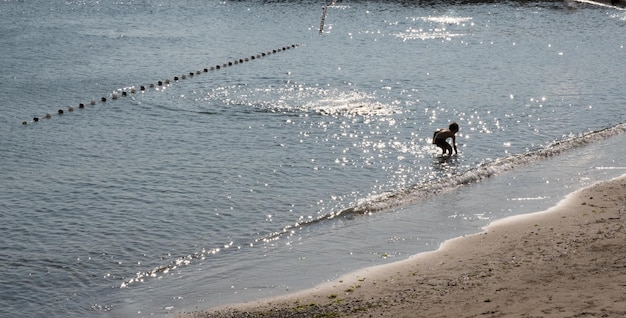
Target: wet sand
(567,261)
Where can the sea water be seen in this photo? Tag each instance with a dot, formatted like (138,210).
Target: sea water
(297,156)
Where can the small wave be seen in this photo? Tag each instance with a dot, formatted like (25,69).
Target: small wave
(611,168)
(602,4)
(433,34)
(352,103)
(389,200)
(478,173)
(173,265)
(319,101)
(446,19)
(537,198)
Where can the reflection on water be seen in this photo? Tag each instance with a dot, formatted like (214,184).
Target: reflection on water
(437,27)
(245,180)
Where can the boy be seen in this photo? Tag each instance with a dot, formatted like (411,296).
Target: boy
(440,136)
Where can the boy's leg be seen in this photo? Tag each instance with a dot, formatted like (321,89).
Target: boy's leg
(443,145)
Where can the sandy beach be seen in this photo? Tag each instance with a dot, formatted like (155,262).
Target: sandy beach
(567,261)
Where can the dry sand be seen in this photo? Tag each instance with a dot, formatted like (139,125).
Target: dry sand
(568,261)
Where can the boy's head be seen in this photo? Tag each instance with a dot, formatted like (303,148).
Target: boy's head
(454,127)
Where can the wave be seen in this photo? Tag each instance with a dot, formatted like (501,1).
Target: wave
(423,190)
(478,173)
(392,199)
(605,4)
(296,100)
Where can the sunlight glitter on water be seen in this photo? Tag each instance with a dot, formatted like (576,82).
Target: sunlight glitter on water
(436,29)
(430,34)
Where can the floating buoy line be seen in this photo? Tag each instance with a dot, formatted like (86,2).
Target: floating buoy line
(130,90)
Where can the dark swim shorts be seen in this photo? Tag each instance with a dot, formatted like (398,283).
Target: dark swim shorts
(442,143)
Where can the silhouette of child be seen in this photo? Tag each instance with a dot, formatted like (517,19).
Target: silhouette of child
(440,136)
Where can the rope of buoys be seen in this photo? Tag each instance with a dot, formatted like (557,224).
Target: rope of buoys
(133,90)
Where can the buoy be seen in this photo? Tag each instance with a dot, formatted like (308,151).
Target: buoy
(124,91)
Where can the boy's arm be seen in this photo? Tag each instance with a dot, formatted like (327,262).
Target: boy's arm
(454,144)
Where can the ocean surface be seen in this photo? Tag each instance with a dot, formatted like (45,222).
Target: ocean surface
(212,152)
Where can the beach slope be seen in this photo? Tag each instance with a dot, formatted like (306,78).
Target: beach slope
(568,261)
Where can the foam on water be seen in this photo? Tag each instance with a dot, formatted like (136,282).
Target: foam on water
(386,201)
(485,170)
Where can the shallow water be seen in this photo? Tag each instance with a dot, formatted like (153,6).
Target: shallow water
(290,168)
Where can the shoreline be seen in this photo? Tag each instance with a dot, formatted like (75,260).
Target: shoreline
(566,261)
